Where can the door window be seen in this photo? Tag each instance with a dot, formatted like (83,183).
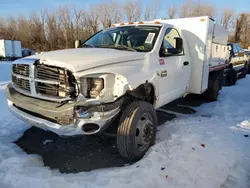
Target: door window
(235,49)
(239,48)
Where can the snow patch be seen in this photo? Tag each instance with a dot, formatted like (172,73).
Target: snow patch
(3,85)
(177,154)
(245,125)
(47,141)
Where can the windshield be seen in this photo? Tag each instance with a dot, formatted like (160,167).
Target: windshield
(132,38)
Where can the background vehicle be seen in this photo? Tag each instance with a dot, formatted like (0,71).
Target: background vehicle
(247,56)
(10,49)
(121,73)
(237,63)
(27,52)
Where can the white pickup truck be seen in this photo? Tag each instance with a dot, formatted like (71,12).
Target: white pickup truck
(124,72)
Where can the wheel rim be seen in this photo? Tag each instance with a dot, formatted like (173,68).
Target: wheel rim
(144,132)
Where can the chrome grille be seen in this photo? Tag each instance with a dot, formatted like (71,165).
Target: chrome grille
(20,76)
(45,72)
(22,83)
(61,79)
(44,81)
(21,69)
(53,89)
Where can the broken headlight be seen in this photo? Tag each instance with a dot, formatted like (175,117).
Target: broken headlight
(92,87)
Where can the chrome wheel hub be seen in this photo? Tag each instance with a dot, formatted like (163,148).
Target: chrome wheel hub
(144,132)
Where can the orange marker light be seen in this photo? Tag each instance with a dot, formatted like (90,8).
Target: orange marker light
(122,23)
(202,20)
(130,22)
(113,25)
(140,22)
(157,22)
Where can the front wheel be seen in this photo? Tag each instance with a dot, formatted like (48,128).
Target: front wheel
(137,130)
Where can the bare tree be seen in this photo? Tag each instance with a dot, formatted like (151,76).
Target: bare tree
(37,34)
(133,10)
(172,12)
(109,12)
(65,16)
(12,28)
(77,13)
(57,29)
(227,18)
(151,10)
(242,30)
(192,8)
(93,18)
(2,28)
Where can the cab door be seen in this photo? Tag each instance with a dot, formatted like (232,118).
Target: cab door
(174,68)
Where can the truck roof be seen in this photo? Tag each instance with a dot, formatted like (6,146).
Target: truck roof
(160,21)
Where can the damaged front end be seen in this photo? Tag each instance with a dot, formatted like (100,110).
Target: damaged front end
(53,98)
(63,119)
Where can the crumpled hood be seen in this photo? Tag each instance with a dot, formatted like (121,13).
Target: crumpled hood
(86,58)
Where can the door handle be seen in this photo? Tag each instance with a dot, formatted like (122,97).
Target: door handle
(186,63)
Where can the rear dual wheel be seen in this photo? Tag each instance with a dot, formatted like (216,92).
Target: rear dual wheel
(244,71)
(137,130)
(212,92)
(231,77)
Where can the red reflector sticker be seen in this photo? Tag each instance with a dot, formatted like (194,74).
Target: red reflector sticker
(162,62)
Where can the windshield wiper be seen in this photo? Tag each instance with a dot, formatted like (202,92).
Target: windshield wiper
(118,47)
(128,48)
(87,46)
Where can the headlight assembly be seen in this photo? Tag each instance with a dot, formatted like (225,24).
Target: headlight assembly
(103,86)
(91,87)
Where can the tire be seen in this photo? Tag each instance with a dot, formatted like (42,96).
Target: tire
(244,72)
(231,77)
(138,117)
(248,68)
(212,92)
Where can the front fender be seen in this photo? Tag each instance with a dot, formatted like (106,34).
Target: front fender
(129,75)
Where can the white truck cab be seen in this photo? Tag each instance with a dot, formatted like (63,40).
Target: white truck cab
(124,72)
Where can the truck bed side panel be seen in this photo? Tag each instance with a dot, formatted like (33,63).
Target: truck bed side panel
(195,31)
(17,49)
(2,48)
(8,48)
(206,43)
(219,46)
(208,55)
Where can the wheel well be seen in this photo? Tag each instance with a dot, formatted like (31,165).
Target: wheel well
(144,92)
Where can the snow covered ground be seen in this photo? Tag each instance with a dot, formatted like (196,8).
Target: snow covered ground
(177,159)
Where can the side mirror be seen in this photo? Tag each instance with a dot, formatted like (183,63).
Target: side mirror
(176,49)
(178,45)
(77,43)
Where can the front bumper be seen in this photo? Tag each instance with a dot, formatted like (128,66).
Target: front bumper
(47,115)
